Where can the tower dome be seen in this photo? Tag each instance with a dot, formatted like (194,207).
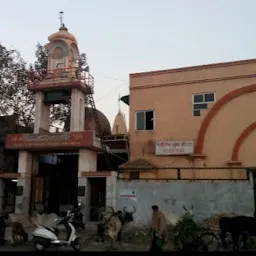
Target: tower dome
(89,123)
(62,34)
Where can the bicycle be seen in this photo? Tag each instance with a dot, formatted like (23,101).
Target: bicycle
(201,239)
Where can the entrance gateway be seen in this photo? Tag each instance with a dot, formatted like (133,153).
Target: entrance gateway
(64,83)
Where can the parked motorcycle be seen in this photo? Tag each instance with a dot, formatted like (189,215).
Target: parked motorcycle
(45,237)
(77,216)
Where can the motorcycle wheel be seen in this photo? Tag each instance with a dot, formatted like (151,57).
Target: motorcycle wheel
(39,246)
(76,245)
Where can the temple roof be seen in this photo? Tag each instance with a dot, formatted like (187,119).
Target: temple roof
(62,34)
(138,164)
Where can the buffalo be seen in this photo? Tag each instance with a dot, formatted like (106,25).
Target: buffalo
(237,226)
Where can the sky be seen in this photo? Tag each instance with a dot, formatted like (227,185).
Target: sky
(122,37)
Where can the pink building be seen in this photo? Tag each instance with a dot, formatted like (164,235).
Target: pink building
(194,125)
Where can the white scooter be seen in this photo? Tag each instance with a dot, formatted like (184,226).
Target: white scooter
(44,237)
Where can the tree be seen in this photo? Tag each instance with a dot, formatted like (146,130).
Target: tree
(14,78)
(14,95)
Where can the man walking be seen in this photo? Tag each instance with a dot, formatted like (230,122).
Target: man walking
(159,229)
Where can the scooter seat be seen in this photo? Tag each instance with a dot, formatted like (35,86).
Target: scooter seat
(51,229)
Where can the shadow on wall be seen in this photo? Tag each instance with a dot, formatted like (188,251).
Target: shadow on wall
(208,198)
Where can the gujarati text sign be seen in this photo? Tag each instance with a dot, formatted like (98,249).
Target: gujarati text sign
(175,147)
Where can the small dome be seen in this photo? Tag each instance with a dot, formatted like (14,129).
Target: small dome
(89,123)
(62,34)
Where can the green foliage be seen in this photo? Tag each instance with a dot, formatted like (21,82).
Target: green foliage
(14,95)
(187,229)
(38,70)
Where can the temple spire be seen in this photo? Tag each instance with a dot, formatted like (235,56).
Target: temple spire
(119,126)
(119,99)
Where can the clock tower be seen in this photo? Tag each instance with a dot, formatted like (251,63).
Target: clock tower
(63,51)
(65,81)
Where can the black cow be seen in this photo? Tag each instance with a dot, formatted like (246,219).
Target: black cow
(103,216)
(236,226)
(101,229)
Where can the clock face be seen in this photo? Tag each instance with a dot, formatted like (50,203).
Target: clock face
(59,63)
(58,57)
(57,52)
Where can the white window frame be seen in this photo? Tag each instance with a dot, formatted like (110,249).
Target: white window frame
(203,93)
(203,102)
(144,111)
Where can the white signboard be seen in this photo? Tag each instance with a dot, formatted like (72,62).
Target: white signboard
(128,193)
(174,147)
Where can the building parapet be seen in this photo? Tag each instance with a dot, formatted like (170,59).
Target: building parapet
(223,173)
(196,74)
(62,79)
(121,137)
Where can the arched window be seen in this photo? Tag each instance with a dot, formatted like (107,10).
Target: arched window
(58,59)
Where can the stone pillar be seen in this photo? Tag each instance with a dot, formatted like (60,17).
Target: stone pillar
(2,187)
(111,187)
(35,169)
(198,161)
(87,160)
(24,168)
(42,114)
(77,111)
